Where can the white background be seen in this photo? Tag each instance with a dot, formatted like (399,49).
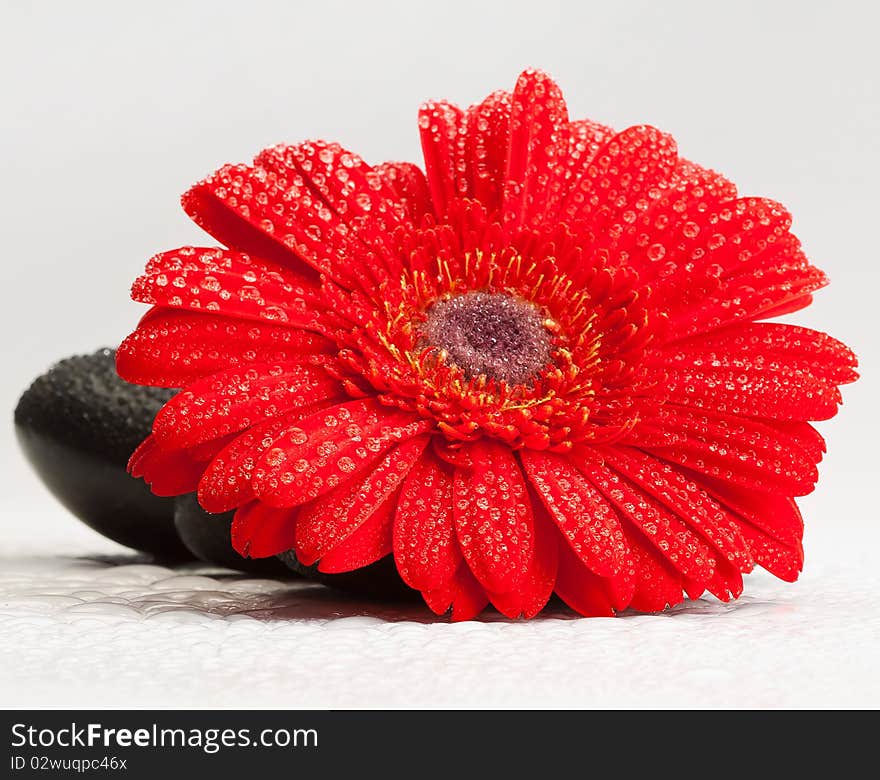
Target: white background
(109,112)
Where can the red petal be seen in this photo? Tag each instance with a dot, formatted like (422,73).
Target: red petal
(441,127)
(226,483)
(367,544)
(470,599)
(537,586)
(773,513)
(329,448)
(313,202)
(713,185)
(409,185)
(619,182)
(585,139)
(658,584)
(365,207)
(488,139)
(493,519)
(426,550)
(329,520)
(221,281)
(746,387)
(350,187)
(762,456)
(234,206)
(670,238)
(578,587)
(726,583)
(684,498)
(464,594)
(173,348)
(259,531)
(758,370)
(538,148)
(169,472)
(781,560)
(735,251)
(800,349)
(770,523)
(586,520)
(681,546)
(233,400)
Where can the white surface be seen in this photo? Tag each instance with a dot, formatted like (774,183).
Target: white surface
(109,115)
(78,631)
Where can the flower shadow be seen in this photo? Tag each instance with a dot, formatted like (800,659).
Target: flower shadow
(213,592)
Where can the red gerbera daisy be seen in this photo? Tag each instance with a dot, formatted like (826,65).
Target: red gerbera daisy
(537,367)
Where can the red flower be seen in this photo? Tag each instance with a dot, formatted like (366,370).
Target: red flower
(542,367)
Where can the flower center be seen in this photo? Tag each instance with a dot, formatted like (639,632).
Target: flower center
(495,335)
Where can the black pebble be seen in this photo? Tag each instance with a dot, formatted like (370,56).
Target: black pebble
(78,424)
(207,537)
(379,580)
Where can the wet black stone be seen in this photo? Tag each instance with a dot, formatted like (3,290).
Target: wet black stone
(78,424)
(207,537)
(379,580)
